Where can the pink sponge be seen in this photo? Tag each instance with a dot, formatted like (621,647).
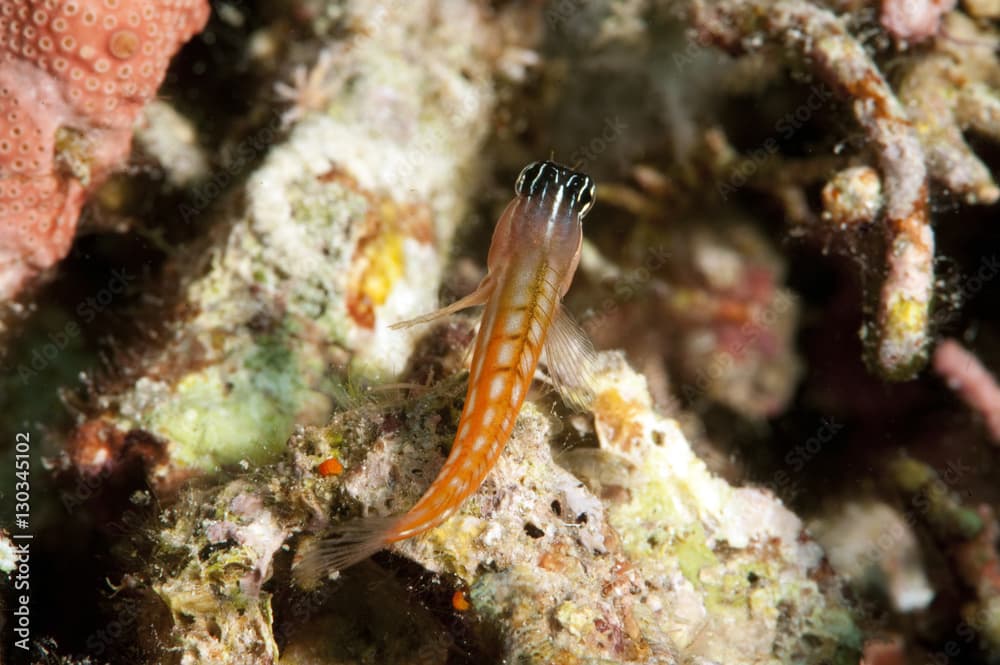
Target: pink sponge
(74,74)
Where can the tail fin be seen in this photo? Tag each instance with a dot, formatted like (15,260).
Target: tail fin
(346,545)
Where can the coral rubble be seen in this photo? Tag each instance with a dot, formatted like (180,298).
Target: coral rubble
(897,335)
(652,559)
(947,92)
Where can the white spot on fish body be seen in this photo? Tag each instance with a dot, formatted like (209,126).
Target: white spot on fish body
(496,387)
(506,354)
(513,322)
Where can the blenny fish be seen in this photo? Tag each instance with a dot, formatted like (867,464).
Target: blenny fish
(532,258)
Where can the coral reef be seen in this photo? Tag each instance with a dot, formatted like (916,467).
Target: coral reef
(872,545)
(654,561)
(947,92)
(897,336)
(328,249)
(75,76)
(170,139)
(914,21)
(968,536)
(208,382)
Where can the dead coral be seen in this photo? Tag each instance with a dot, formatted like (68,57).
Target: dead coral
(872,545)
(170,139)
(950,90)
(852,197)
(896,336)
(225,545)
(657,562)
(914,20)
(712,556)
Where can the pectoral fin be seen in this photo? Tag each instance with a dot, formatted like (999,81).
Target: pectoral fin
(570,359)
(477,297)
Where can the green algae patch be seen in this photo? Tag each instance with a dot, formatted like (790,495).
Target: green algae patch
(216,418)
(693,555)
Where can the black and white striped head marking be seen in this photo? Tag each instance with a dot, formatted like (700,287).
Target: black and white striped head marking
(548,179)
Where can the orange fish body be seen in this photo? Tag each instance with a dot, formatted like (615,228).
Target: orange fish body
(532,259)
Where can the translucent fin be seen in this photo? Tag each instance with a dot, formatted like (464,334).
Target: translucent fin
(569,358)
(347,544)
(477,297)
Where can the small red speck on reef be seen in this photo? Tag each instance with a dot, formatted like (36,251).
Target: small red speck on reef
(459,601)
(330,467)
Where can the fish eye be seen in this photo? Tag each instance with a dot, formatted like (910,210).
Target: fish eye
(528,175)
(585,199)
